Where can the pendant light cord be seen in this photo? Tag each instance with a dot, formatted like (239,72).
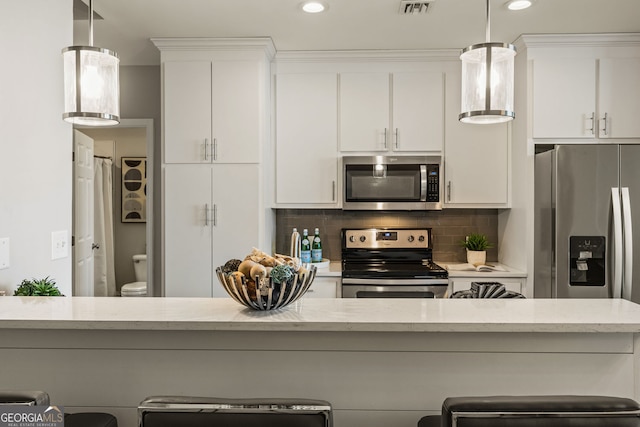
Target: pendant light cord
(488,27)
(90,22)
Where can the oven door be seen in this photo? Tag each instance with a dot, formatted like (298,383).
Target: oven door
(394,288)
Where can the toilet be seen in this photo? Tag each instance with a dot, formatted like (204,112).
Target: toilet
(139,287)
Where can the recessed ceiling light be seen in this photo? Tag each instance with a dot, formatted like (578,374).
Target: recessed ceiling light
(313,7)
(519,4)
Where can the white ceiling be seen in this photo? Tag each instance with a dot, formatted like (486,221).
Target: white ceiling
(348,24)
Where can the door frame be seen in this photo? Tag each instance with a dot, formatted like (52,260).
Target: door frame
(148,125)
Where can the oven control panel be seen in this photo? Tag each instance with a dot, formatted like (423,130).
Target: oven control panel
(377,238)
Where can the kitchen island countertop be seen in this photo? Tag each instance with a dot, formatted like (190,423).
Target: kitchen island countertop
(337,315)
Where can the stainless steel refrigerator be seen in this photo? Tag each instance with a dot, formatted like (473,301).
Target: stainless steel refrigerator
(587,206)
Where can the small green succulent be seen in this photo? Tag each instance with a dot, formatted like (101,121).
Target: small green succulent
(476,242)
(37,287)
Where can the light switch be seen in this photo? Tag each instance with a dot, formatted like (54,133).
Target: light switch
(4,253)
(59,244)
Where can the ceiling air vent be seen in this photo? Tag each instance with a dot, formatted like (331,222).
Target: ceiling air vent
(414,7)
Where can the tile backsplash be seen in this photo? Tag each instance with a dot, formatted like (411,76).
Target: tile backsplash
(449,228)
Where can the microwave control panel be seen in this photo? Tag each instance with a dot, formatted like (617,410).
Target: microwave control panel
(433,183)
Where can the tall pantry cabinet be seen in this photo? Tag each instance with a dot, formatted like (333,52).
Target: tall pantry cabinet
(215,156)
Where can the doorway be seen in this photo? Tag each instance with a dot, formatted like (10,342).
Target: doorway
(132,139)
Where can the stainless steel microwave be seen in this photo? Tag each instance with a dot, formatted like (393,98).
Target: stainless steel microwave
(392,183)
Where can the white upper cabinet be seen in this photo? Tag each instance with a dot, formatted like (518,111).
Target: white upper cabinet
(476,167)
(212,111)
(391,112)
(564,98)
(364,112)
(236,100)
(476,158)
(187,112)
(619,92)
(586,97)
(306,139)
(418,105)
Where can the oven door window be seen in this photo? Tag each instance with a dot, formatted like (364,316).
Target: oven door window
(383,183)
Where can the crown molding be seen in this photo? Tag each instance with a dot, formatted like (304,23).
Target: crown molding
(216,44)
(367,55)
(526,41)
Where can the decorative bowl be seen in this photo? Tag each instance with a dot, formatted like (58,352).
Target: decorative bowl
(267,294)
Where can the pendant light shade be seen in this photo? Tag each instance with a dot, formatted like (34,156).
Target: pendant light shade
(91,83)
(487,81)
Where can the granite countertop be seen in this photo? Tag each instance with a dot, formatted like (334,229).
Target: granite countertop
(454,269)
(334,269)
(349,315)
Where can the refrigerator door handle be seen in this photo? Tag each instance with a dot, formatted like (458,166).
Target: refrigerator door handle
(617,235)
(628,243)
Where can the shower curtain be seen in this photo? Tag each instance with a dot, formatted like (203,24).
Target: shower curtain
(103,255)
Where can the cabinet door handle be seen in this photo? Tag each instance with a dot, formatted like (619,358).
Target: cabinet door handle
(396,138)
(215,148)
(385,138)
(215,215)
(333,191)
(593,123)
(206,214)
(206,148)
(604,128)
(449,191)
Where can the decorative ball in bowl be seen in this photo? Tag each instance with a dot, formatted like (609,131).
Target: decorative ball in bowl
(283,286)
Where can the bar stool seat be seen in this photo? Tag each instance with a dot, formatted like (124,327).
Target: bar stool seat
(183,411)
(90,419)
(537,411)
(24,397)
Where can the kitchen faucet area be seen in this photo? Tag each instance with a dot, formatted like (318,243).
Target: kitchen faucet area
(338,214)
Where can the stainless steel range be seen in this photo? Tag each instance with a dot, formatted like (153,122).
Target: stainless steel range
(390,263)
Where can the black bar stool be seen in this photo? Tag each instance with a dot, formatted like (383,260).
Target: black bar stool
(536,411)
(182,411)
(26,397)
(41,398)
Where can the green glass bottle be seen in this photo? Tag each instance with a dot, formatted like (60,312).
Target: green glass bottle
(316,247)
(305,247)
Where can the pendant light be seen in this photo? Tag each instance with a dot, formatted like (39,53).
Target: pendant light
(91,83)
(487,81)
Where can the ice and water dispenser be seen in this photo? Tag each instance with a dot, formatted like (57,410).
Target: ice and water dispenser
(587,260)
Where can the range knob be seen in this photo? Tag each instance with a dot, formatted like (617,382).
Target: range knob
(352,239)
(421,238)
(411,238)
(363,238)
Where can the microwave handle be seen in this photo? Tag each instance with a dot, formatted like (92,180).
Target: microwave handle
(423,183)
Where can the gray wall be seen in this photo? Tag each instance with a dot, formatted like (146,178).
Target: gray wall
(35,143)
(140,98)
(449,228)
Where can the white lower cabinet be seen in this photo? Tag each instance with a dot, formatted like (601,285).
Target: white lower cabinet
(324,287)
(211,215)
(514,284)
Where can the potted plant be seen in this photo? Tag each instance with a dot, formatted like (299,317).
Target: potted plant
(35,287)
(476,245)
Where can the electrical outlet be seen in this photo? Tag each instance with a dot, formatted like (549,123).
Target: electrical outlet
(4,253)
(59,244)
